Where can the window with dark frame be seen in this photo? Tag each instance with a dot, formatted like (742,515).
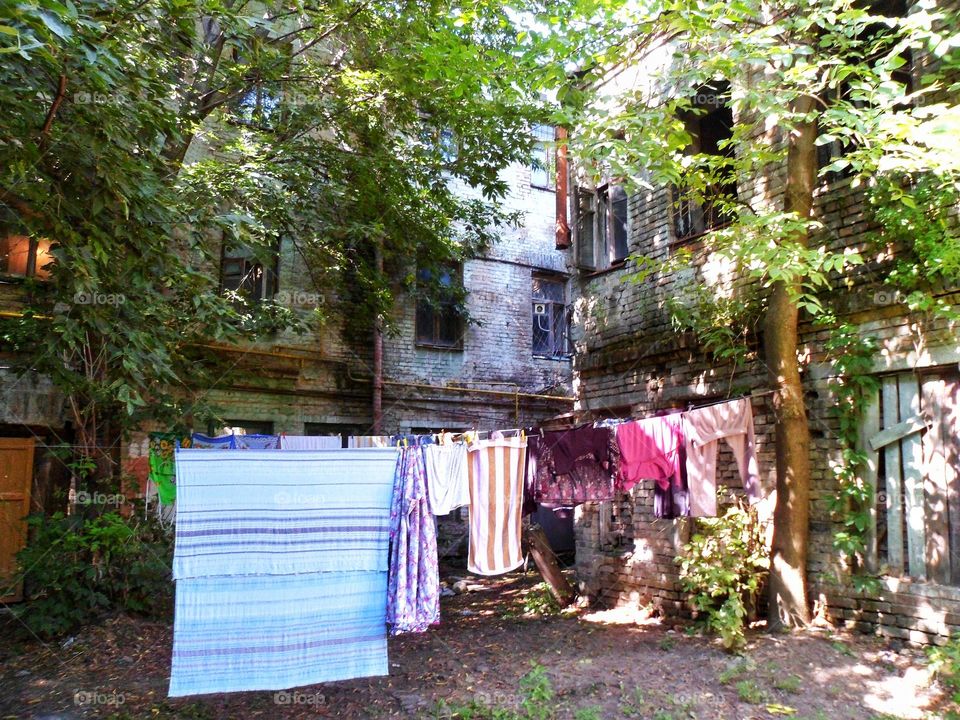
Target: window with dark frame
(551,319)
(243,273)
(333,429)
(22,256)
(248,427)
(439,323)
(709,122)
(833,149)
(601,226)
(543,168)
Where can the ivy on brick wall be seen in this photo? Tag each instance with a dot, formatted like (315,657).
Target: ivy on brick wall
(918,221)
(853,386)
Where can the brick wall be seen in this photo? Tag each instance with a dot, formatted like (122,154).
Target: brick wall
(629,360)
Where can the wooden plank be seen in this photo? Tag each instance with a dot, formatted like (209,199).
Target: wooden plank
(893,480)
(911,453)
(868,474)
(950,432)
(937,528)
(16,476)
(897,432)
(547,564)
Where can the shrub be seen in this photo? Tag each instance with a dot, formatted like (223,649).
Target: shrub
(76,569)
(724,565)
(945,662)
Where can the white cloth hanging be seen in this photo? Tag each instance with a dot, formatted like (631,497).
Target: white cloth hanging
(310,442)
(448,484)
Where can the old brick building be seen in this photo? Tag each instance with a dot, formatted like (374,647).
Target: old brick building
(631,360)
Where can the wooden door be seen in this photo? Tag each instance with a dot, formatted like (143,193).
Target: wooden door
(16,475)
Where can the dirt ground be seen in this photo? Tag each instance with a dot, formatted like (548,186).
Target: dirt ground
(608,664)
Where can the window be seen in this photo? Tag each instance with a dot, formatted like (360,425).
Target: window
(247,427)
(601,227)
(878,38)
(241,272)
(710,125)
(914,444)
(344,432)
(543,168)
(550,318)
(439,322)
(25,257)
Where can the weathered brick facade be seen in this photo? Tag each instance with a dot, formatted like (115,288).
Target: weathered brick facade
(631,361)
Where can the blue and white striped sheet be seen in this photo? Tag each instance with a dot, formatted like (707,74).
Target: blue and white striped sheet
(272,633)
(270,513)
(280,561)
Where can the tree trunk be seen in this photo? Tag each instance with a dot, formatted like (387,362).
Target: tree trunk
(788,555)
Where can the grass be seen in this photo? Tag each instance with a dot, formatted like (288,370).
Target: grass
(736,671)
(788,683)
(748,691)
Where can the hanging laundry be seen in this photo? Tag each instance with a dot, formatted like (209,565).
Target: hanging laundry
(447,478)
(205,442)
(310,442)
(162,470)
(267,513)
(496,470)
(704,427)
(574,466)
(413,589)
(274,632)
(368,441)
(654,449)
(257,442)
(280,564)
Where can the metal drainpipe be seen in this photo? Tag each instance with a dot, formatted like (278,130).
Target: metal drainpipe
(378,351)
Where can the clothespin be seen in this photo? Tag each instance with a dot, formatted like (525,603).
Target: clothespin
(523,434)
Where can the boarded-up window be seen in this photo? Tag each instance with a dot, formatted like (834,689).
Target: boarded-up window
(917,445)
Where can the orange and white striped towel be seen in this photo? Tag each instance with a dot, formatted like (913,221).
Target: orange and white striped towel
(496,470)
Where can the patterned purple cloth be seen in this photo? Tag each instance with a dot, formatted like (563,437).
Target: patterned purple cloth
(413,590)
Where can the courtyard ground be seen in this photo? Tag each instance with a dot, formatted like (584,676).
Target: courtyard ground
(611,664)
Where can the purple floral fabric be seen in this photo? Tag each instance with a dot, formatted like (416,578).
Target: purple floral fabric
(413,590)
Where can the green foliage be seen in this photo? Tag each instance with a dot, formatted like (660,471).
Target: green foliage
(749,691)
(537,702)
(76,569)
(537,694)
(788,683)
(308,129)
(538,600)
(945,662)
(914,216)
(724,566)
(853,385)
(590,713)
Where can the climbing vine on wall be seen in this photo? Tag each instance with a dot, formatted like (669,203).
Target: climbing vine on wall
(918,221)
(853,385)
